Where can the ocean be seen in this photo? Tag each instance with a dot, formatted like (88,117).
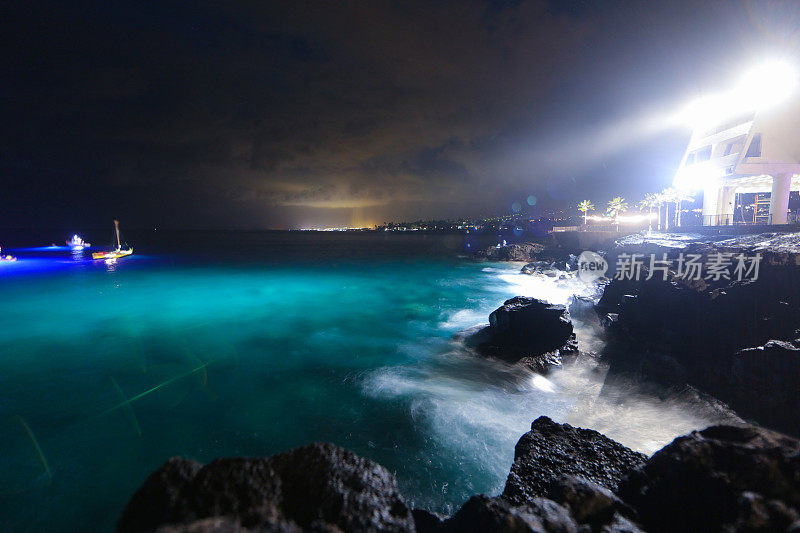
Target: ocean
(209,344)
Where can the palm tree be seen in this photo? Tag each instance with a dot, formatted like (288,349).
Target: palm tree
(682,195)
(585,206)
(616,206)
(650,201)
(668,195)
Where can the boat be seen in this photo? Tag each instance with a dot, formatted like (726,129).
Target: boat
(6,257)
(116,253)
(76,243)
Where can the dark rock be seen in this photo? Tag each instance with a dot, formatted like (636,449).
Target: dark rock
(527,331)
(550,450)
(620,524)
(482,513)
(526,327)
(320,486)
(426,521)
(758,514)
(160,498)
(531,322)
(557,268)
(765,379)
(512,252)
(706,327)
(721,478)
(705,318)
(589,502)
(541,364)
(227,525)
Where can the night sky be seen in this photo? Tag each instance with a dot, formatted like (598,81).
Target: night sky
(303,114)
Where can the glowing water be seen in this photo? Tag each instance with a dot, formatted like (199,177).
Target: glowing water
(270,343)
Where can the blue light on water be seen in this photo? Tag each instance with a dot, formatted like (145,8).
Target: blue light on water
(115,368)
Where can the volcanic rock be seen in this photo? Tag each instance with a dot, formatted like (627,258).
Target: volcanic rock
(721,478)
(528,330)
(550,450)
(588,502)
(766,380)
(482,513)
(512,252)
(319,486)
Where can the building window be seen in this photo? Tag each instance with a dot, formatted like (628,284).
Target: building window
(734,147)
(754,150)
(704,153)
(689,159)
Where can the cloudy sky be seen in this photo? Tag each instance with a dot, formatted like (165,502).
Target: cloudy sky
(301,114)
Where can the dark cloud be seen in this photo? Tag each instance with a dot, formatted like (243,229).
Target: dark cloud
(277,114)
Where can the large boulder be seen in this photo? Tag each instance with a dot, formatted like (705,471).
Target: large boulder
(724,478)
(528,330)
(550,450)
(320,486)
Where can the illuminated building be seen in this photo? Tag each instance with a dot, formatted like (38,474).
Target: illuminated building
(745,141)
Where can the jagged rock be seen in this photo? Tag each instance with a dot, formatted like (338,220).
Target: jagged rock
(527,331)
(482,513)
(550,450)
(526,327)
(512,252)
(588,502)
(721,478)
(558,268)
(320,486)
(532,323)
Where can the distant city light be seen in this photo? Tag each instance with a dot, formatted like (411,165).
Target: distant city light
(760,88)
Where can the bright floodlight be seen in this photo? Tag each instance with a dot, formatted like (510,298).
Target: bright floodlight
(760,88)
(767,84)
(697,177)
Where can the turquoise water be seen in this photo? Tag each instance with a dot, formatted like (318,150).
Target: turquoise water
(255,343)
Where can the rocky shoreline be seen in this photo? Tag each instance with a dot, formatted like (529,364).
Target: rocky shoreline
(736,340)
(564,479)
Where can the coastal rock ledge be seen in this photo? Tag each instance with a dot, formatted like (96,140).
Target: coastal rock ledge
(564,479)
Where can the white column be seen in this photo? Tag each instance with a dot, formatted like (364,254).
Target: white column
(710,201)
(779,199)
(725,208)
